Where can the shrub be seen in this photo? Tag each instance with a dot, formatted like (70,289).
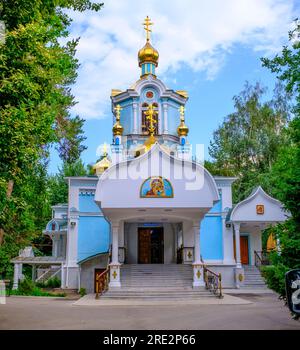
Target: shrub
(275,277)
(26,286)
(29,288)
(53,283)
(82,292)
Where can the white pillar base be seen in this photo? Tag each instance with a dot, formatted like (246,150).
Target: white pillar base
(198,280)
(16,276)
(115,277)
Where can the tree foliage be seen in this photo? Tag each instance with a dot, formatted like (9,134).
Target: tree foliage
(286,65)
(247,143)
(285,174)
(37,69)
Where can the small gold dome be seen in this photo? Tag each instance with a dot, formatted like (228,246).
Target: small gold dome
(118,129)
(182,129)
(148,54)
(101,166)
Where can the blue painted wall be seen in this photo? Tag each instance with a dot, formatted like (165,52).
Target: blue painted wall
(93,236)
(87,203)
(211,238)
(217,208)
(173,118)
(127,117)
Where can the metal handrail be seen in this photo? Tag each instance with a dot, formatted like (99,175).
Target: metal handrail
(102,283)
(261,258)
(102,280)
(213,282)
(258,261)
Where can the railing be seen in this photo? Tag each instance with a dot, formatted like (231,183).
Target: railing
(48,274)
(102,282)
(213,282)
(180,255)
(261,258)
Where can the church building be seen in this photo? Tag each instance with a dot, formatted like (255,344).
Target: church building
(151,207)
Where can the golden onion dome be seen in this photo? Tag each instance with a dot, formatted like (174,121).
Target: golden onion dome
(148,54)
(118,129)
(182,129)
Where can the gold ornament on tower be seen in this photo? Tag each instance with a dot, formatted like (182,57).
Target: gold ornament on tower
(104,163)
(148,53)
(182,129)
(150,116)
(118,128)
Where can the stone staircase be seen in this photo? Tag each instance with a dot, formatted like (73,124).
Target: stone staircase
(253,278)
(156,282)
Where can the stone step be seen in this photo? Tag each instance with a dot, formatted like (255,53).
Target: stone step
(253,279)
(151,292)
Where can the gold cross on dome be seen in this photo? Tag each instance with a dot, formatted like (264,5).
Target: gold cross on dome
(104,149)
(147,24)
(182,112)
(150,113)
(118,110)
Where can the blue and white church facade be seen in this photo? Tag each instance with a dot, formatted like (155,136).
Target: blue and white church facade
(150,202)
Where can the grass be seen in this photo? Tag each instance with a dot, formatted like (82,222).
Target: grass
(36,292)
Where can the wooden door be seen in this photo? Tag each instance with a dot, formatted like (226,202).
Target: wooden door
(244,250)
(144,246)
(97,273)
(157,245)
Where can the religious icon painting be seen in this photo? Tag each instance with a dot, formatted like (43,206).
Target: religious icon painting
(156,187)
(260,209)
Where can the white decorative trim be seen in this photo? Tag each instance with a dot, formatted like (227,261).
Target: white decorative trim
(87,192)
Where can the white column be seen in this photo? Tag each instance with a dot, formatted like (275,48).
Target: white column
(135,119)
(228,254)
(165,109)
(16,276)
(115,280)
(33,273)
(115,244)
(198,280)
(62,276)
(196,229)
(237,244)
(21,276)
(55,241)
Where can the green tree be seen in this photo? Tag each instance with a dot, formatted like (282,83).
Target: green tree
(285,174)
(247,143)
(286,65)
(36,71)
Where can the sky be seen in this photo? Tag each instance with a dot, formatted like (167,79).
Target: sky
(208,47)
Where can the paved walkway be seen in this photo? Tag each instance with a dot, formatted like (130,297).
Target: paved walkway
(259,311)
(89,300)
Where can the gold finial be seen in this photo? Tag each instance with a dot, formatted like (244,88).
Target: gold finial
(147,24)
(118,110)
(118,128)
(150,113)
(104,149)
(182,112)
(182,129)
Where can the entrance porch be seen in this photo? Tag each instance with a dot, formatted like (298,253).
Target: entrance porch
(156,239)
(249,219)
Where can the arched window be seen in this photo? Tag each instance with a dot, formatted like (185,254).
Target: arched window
(145,122)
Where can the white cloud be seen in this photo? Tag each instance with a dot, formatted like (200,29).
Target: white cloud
(195,33)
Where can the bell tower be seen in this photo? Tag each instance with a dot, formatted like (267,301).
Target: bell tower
(148,111)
